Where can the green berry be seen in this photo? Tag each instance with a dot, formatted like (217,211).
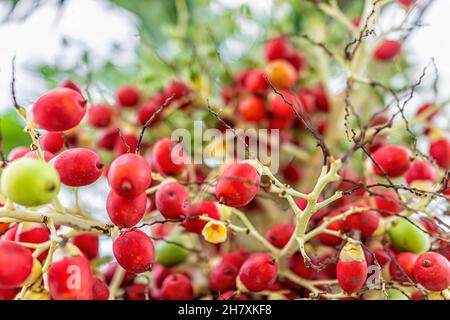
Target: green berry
(169,254)
(405,236)
(30,182)
(394,294)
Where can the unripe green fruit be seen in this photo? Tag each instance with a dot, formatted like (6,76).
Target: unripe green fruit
(407,237)
(169,254)
(394,294)
(30,182)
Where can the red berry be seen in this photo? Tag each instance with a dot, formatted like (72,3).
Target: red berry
(351,270)
(100,115)
(52,142)
(128,96)
(238,185)
(382,256)
(236,257)
(159,273)
(137,291)
(208,208)
(223,277)
(129,175)
(134,251)
(17,152)
(329,239)
(297,264)
(147,110)
(34,155)
(59,109)
(120,147)
(440,152)
(277,48)
(177,286)
(172,200)
(258,272)
(111,270)
(8,294)
(78,167)
(394,160)
(70,275)
(366,222)
(256,82)
(421,171)
(406,262)
(16,264)
(424,108)
(387,50)
(383,203)
(88,244)
(32,233)
(281,74)
(432,271)
(321,101)
(407,3)
(177,89)
(292,173)
(168,157)
(126,212)
(69,84)
(108,138)
(279,234)
(100,290)
(281,109)
(251,109)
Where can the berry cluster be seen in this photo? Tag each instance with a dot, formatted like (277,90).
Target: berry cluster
(364,227)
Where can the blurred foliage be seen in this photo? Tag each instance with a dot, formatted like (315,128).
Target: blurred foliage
(12,132)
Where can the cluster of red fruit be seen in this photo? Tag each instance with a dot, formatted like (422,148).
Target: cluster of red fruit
(151,185)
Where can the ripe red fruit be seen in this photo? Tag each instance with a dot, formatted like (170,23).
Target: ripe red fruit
(197,209)
(236,257)
(128,96)
(177,89)
(279,234)
(134,251)
(329,239)
(120,147)
(256,82)
(366,222)
(421,171)
(168,157)
(16,264)
(432,271)
(52,142)
(251,109)
(69,84)
(387,50)
(297,264)
(277,48)
(440,152)
(100,290)
(320,98)
(100,115)
(394,160)
(126,212)
(34,155)
(78,167)
(238,185)
(176,286)
(223,277)
(111,270)
(292,173)
(172,200)
(8,294)
(137,291)
(70,275)
(351,270)
(32,233)
(406,262)
(407,3)
(159,273)
(88,244)
(281,109)
(258,272)
(59,109)
(17,152)
(108,138)
(129,175)
(424,108)
(382,256)
(148,109)
(384,204)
